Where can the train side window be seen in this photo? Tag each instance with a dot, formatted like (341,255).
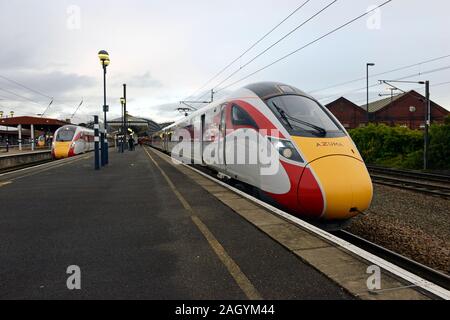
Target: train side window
(240,117)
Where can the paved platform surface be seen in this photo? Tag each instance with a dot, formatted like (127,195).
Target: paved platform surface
(133,238)
(15,152)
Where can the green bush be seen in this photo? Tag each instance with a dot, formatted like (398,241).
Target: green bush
(401,147)
(439,151)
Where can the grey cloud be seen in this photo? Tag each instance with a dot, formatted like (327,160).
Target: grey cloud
(10,58)
(145,80)
(54,84)
(164,109)
(66,88)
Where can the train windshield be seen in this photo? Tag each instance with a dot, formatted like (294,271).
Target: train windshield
(65,134)
(303,116)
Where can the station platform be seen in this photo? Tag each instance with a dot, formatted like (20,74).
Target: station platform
(132,237)
(19,159)
(15,152)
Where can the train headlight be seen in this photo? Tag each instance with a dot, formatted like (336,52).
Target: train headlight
(287,153)
(286,149)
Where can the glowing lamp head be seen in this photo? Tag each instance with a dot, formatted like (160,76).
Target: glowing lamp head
(104,57)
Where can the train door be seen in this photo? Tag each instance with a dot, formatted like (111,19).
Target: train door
(242,146)
(169,141)
(222,137)
(202,137)
(192,139)
(164,142)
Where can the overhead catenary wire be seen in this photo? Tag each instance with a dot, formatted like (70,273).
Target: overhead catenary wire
(305,46)
(440,84)
(5,98)
(272,45)
(397,79)
(20,96)
(26,87)
(76,110)
(416,88)
(379,74)
(277,42)
(249,48)
(28,99)
(52,99)
(42,114)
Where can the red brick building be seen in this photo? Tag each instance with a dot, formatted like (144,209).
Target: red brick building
(406,109)
(348,113)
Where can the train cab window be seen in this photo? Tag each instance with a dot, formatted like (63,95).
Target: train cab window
(240,117)
(303,116)
(65,134)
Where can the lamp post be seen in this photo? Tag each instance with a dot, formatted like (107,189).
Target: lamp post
(1,117)
(427,124)
(122,127)
(125,115)
(11,114)
(367,87)
(127,130)
(104,60)
(7,136)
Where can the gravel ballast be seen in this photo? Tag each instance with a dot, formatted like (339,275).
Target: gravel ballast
(412,224)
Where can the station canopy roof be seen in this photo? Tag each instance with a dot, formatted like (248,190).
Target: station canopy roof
(41,124)
(138,122)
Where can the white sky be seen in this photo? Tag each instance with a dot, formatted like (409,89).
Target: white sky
(165,50)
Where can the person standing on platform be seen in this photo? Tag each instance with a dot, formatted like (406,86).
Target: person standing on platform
(131,143)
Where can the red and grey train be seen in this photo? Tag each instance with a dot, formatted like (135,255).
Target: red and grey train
(320,174)
(71,140)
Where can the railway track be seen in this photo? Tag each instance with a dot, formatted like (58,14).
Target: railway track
(428,183)
(417,268)
(24,166)
(410,173)
(406,263)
